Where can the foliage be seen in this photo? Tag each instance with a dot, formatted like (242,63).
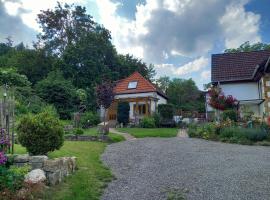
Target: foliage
(123,112)
(185,95)
(89,119)
(78,131)
(105,94)
(166,111)
(59,92)
(10,77)
(247,47)
(163,83)
(40,133)
(252,134)
(12,178)
(219,101)
(228,131)
(147,122)
(205,131)
(157,119)
(230,114)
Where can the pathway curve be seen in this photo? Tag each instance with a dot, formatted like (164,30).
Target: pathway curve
(127,136)
(149,168)
(182,133)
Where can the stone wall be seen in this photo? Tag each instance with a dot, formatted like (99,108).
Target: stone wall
(55,169)
(100,138)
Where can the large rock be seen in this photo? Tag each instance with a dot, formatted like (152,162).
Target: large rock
(37,161)
(35,176)
(21,158)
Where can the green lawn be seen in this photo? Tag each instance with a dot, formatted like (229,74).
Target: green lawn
(150,132)
(112,136)
(90,179)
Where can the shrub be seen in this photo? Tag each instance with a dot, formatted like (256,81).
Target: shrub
(78,131)
(40,133)
(12,178)
(205,131)
(89,119)
(166,111)
(123,112)
(251,134)
(147,122)
(229,114)
(156,117)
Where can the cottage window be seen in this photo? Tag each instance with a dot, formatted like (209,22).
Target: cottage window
(141,109)
(132,84)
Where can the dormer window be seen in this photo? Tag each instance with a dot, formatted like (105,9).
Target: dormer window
(132,85)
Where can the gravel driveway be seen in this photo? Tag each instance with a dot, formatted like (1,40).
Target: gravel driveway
(152,168)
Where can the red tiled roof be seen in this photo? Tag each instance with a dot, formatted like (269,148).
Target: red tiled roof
(143,85)
(237,66)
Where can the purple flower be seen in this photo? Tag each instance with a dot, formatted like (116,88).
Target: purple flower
(3,158)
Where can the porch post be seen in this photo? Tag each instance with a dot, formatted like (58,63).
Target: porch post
(146,107)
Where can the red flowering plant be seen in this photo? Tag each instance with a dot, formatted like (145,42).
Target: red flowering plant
(219,101)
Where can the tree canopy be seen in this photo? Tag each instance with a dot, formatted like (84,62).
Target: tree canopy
(246,47)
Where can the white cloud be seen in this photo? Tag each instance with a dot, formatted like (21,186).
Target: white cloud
(179,27)
(205,75)
(193,66)
(188,68)
(240,26)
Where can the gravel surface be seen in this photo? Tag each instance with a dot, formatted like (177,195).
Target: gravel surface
(151,168)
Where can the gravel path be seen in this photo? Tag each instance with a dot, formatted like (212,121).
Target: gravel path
(148,169)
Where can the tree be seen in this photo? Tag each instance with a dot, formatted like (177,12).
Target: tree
(246,47)
(60,92)
(35,64)
(105,96)
(185,95)
(64,25)
(163,83)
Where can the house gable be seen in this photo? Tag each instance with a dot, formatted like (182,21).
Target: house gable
(135,84)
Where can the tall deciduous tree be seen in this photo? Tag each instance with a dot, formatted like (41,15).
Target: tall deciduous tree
(64,25)
(163,83)
(185,95)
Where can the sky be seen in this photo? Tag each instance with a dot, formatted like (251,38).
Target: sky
(177,36)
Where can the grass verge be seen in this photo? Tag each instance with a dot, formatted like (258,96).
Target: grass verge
(150,132)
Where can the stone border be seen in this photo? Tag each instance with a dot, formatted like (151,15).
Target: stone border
(54,169)
(104,138)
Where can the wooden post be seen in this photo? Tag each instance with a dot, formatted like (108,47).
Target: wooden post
(146,107)
(150,107)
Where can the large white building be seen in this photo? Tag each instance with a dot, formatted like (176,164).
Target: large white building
(245,76)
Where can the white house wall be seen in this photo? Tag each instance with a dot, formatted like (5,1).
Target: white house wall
(241,91)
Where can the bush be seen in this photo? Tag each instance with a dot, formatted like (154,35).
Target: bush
(89,119)
(12,178)
(40,133)
(205,131)
(147,122)
(156,117)
(229,114)
(78,131)
(123,112)
(166,111)
(251,134)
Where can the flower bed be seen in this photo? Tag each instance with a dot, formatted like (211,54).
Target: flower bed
(229,131)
